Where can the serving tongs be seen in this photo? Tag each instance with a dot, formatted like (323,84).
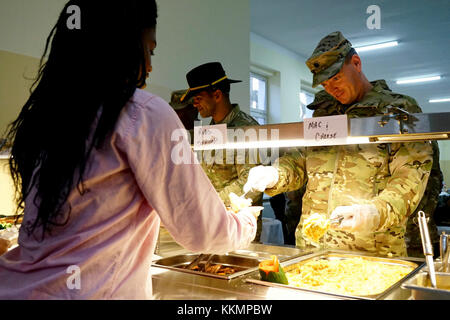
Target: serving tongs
(427,247)
(336,220)
(243,196)
(196,261)
(444,251)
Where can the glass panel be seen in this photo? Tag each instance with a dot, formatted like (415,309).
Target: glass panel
(258,92)
(258,98)
(305,99)
(260,120)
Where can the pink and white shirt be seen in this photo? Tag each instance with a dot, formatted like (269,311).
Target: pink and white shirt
(134,183)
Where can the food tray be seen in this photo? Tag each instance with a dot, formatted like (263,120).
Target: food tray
(421,288)
(341,255)
(242,265)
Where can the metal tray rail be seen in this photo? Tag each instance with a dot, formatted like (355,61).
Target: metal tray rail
(264,252)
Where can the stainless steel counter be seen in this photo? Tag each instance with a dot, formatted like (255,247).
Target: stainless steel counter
(176,285)
(173,285)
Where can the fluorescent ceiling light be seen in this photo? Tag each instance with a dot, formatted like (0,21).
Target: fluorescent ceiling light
(439,100)
(415,80)
(377,46)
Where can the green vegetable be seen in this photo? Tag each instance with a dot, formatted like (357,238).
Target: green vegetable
(5,225)
(270,270)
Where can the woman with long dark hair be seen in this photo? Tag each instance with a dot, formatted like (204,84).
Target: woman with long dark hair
(92,161)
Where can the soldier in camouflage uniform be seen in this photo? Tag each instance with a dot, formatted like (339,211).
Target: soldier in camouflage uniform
(377,187)
(428,205)
(325,105)
(185,110)
(209,87)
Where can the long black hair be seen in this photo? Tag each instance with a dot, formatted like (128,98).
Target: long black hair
(97,64)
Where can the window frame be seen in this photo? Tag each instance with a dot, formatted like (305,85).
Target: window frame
(258,113)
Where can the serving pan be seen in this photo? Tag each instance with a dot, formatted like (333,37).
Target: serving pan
(291,264)
(420,285)
(241,265)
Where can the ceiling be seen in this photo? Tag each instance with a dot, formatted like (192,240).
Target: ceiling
(422,28)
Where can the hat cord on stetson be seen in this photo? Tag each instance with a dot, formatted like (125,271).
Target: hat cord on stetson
(200,87)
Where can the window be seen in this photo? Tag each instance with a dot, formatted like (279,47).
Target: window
(306,98)
(258,98)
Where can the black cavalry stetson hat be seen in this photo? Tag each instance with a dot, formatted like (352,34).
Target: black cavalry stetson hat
(204,76)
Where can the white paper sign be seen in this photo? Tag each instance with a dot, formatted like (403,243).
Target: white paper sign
(324,131)
(210,137)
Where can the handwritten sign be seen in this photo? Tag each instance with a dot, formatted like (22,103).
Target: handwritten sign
(210,137)
(324,131)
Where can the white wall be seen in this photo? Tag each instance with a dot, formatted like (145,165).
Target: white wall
(192,32)
(189,33)
(289,70)
(25,24)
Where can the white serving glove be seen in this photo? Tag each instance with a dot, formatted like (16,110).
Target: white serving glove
(255,210)
(362,218)
(260,178)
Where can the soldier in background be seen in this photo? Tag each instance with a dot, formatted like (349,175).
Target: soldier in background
(185,110)
(209,87)
(442,213)
(289,214)
(375,187)
(292,213)
(428,205)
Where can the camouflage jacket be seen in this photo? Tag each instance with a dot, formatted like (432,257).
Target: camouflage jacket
(392,177)
(428,205)
(225,177)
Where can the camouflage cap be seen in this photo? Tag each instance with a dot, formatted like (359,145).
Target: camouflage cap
(175,101)
(328,57)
